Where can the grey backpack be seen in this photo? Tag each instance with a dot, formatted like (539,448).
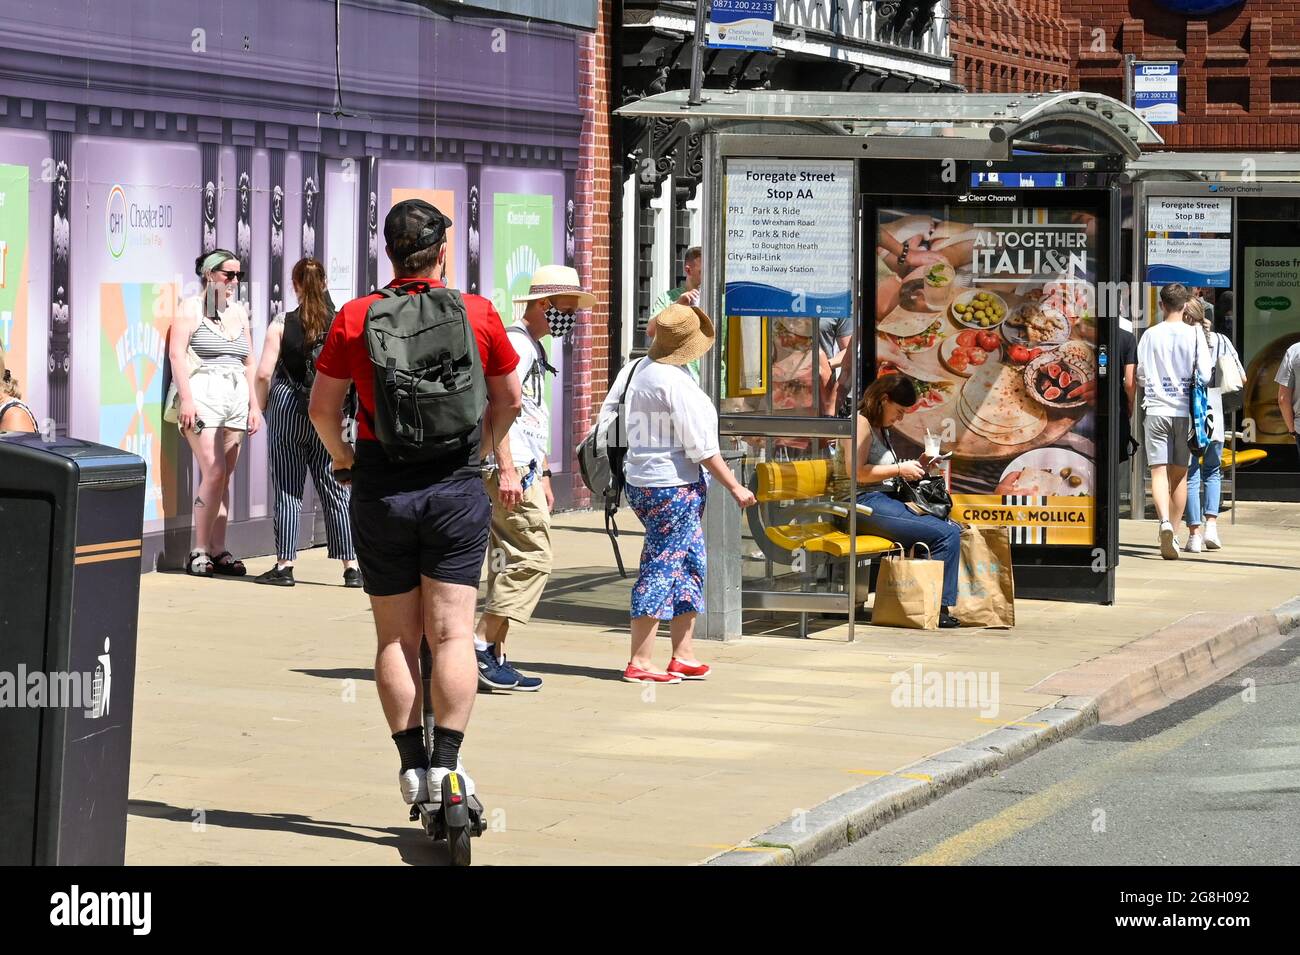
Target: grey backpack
(430,392)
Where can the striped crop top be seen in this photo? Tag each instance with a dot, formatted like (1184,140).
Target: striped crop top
(213,347)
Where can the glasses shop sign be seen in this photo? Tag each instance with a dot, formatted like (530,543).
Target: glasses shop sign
(789,238)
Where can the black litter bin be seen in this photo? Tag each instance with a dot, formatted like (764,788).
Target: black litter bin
(71,520)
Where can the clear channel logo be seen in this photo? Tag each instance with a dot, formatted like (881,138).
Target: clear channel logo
(115,222)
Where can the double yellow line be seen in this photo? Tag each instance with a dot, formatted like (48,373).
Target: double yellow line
(114,550)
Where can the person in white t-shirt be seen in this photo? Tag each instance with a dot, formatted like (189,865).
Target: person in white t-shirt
(518,480)
(1169,354)
(672,433)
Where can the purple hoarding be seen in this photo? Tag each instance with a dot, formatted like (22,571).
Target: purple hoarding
(128,113)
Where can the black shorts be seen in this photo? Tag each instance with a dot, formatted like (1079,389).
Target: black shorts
(439,532)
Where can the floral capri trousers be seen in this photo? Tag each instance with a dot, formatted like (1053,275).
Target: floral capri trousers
(671,581)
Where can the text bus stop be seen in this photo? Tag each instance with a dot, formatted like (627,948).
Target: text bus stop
(849,235)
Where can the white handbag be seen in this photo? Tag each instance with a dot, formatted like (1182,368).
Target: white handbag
(1227,373)
(172,408)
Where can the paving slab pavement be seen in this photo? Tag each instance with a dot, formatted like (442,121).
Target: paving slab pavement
(258,736)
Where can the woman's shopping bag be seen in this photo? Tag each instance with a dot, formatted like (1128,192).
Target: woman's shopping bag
(986,586)
(909,591)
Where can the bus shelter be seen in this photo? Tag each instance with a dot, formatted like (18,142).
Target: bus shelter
(957,239)
(1228,224)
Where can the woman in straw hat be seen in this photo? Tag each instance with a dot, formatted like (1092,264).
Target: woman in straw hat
(14,413)
(672,432)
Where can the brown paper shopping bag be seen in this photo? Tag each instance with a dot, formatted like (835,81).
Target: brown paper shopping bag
(986,587)
(908,592)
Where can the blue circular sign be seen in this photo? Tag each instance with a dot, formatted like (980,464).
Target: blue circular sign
(1198,8)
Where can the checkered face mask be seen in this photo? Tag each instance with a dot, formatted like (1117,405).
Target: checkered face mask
(558,322)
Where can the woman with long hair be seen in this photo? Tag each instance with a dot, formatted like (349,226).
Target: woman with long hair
(14,413)
(217,403)
(1205,476)
(883,405)
(284,379)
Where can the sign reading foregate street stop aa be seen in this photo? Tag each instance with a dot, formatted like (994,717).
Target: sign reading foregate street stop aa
(789,238)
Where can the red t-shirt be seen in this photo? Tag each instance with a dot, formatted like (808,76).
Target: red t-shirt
(344,355)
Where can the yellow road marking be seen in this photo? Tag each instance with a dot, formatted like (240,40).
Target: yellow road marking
(880,772)
(114,545)
(1028,812)
(100,558)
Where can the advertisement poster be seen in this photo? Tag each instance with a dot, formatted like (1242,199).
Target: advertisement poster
(441,199)
(1271,311)
(741,24)
(1189,240)
(990,314)
(522,242)
(789,243)
(13,269)
(134,318)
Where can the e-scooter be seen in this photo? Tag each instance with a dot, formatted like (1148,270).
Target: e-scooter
(460,815)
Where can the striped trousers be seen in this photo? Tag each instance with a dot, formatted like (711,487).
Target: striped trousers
(294,448)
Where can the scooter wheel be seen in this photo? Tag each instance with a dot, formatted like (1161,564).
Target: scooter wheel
(458,845)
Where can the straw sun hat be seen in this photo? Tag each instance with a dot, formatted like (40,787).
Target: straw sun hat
(682,334)
(557,281)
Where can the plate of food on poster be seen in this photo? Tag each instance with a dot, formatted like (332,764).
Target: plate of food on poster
(1005,366)
(1048,472)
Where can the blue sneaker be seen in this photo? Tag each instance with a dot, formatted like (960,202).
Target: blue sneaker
(492,675)
(522,682)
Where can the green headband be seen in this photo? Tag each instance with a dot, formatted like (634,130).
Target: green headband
(214,259)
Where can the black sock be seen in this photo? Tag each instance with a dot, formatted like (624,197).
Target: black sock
(446,747)
(410,746)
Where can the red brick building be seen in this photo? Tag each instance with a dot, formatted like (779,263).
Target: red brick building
(1239,69)
(1004,47)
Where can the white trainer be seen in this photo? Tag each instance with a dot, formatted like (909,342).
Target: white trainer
(1195,543)
(1212,541)
(437,774)
(414,785)
(1168,543)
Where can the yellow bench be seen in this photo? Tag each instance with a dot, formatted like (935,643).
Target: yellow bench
(815,524)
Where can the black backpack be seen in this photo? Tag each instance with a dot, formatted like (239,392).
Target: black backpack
(430,392)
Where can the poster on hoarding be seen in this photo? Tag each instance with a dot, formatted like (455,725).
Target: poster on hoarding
(13,269)
(1271,313)
(991,314)
(522,242)
(134,319)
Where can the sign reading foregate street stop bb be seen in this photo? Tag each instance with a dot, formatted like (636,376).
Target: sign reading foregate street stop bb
(789,241)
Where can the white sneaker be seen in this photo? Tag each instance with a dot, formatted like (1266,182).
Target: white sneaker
(1195,543)
(437,774)
(414,785)
(1212,541)
(1168,544)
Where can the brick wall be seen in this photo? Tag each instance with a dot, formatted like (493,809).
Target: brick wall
(1239,80)
(1009,47)
(592,187)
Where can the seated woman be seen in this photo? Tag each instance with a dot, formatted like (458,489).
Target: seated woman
(883,405)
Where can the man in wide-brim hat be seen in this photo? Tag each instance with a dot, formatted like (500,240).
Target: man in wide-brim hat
(518,480)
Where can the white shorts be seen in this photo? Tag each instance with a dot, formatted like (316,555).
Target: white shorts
(220,394)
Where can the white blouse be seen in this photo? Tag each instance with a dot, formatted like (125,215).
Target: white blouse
(671,424)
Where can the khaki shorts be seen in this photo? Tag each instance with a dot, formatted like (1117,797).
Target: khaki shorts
(220,394)
(519,552)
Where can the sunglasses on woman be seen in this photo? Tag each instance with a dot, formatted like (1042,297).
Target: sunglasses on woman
(231,276)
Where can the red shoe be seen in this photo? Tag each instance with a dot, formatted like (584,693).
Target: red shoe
(688,672)
(634,674)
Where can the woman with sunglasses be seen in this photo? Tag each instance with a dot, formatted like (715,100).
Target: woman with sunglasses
(211,353)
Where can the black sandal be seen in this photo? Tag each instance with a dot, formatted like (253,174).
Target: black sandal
(226,565)
(198,559)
